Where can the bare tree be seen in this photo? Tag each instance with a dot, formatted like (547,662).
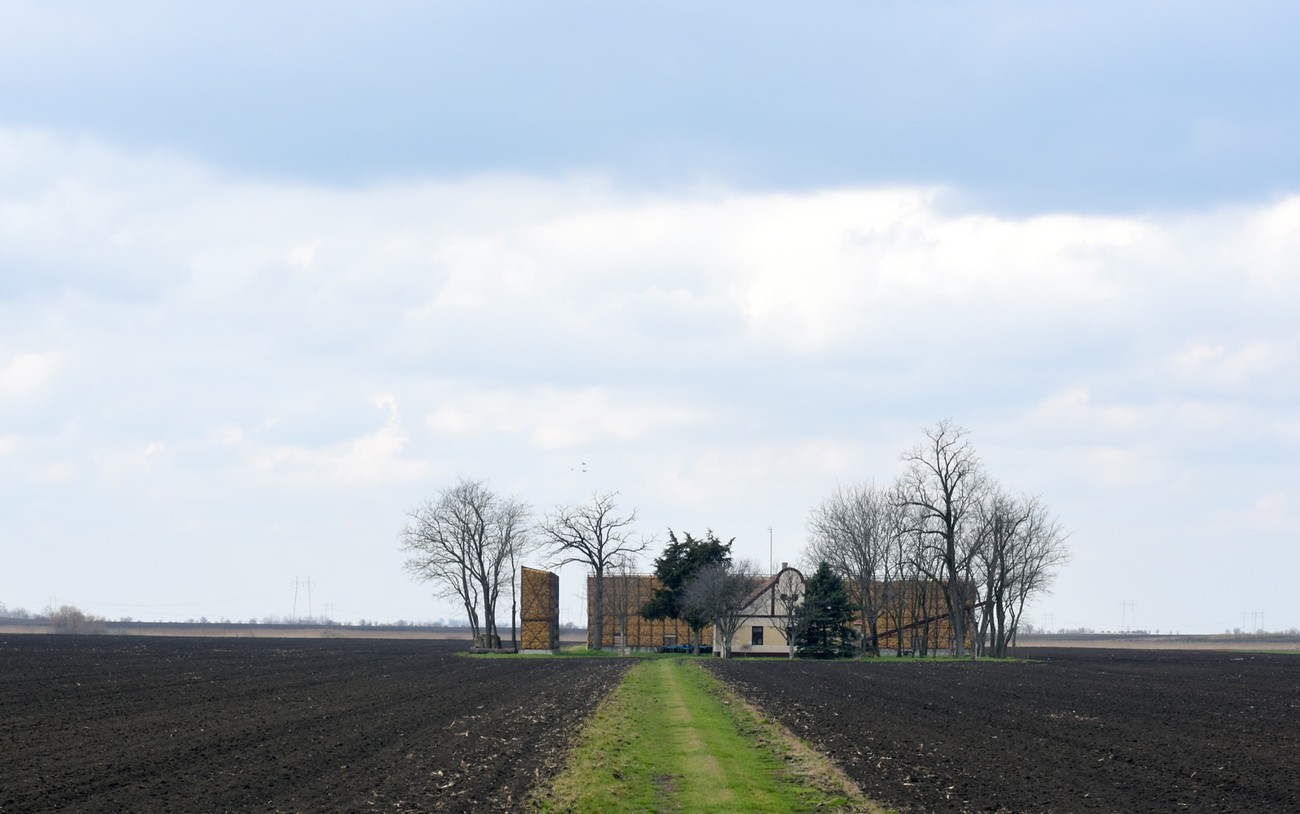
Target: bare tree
(625,593)
(1020,545)
(853,531)
(999,518)
(941,487)
(788,593)
(513,517)
(718,593)
(466,543)
(1039,549)
(903,596)
(439,555)
(595,535)
(71,619)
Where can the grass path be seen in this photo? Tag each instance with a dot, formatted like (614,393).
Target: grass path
(672,738)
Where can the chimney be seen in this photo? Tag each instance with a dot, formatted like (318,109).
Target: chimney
(785,565)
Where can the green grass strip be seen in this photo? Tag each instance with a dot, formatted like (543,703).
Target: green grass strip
(672,738)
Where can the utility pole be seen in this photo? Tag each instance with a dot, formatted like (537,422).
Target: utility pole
(770,550)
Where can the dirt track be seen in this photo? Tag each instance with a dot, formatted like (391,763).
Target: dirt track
(111,724)
(1113,731)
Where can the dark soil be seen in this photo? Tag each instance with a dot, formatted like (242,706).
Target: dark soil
(1083,730)
(117,724)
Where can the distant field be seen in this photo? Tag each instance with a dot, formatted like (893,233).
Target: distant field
(1111,641)
(257,632)
(1151,642)
(243,631)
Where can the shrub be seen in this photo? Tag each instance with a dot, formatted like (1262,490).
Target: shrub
(69,619)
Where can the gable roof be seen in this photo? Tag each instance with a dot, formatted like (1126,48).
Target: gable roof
(767,586)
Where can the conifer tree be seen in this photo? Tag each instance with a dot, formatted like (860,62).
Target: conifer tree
(822,622)
(680,562)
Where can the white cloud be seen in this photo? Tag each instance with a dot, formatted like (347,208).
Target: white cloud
(25,374)
(1127,467)
(369,459)
(118,463)
(1272,513)
(56,472)
(812,272)
(373,458)
(756,473)
(827,271)
(1269,245)
(1216,365)
(1286,429)
(556,419)
(1074,411)
(302,255)
(452,419)
(729,354)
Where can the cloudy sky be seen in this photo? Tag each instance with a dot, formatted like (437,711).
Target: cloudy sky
(273,274)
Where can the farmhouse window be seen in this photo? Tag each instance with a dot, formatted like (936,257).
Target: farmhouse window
(756,635)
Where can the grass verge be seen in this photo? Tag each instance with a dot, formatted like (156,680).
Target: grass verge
(673,738)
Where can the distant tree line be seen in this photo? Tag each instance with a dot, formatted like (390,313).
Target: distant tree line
(63,619)
(71,619)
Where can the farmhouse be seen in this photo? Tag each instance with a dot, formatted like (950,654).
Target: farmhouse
(910,616)
(766,616)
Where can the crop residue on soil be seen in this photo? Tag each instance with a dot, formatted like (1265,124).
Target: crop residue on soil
(1083,730)
(200,725)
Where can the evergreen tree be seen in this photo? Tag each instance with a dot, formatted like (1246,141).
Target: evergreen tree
(680,562)
(822,622)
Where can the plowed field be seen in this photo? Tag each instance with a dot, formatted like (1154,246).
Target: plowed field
(109,724)
(1087,730)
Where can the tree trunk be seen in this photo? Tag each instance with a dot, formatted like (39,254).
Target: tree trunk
(600,609)
(1001,622)
(472,613)
(514,609)
(956,609)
